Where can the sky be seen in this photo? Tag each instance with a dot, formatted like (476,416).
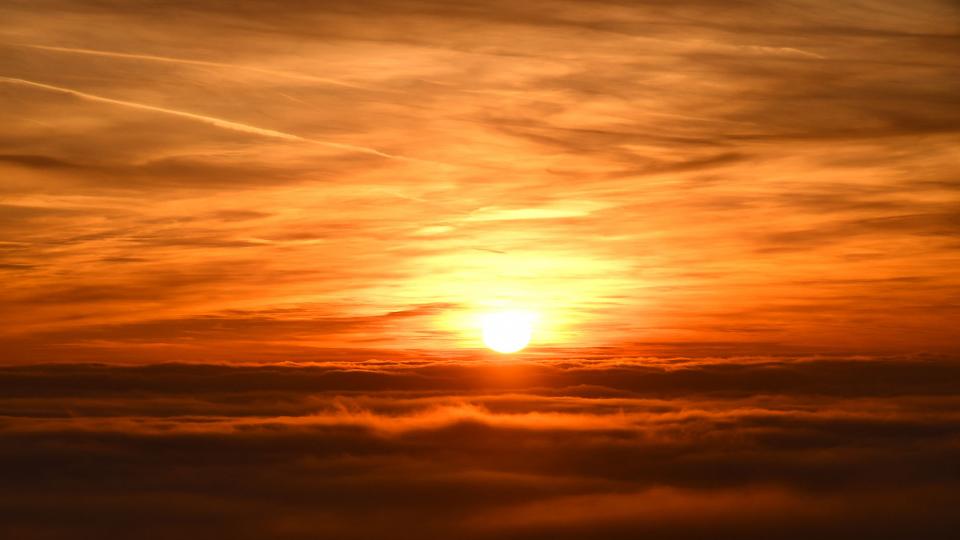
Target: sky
(245,247)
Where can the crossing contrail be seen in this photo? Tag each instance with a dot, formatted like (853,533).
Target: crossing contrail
(210,120)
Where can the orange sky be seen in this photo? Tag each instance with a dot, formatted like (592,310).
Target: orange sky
(290,181)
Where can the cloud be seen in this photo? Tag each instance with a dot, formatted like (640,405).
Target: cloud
(482,451)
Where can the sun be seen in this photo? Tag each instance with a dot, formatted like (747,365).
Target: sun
(507,331)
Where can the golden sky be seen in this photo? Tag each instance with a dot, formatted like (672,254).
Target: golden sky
(271,180)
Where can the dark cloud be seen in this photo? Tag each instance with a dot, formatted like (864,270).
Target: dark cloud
(661,378)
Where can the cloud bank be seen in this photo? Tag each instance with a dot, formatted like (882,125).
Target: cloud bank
(746,448)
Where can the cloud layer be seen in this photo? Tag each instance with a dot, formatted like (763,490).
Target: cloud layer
(746,448)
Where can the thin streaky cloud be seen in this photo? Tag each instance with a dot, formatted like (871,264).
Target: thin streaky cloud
(213,121)
(205,63)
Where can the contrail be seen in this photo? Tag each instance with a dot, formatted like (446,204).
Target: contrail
(171,60)
(213,121)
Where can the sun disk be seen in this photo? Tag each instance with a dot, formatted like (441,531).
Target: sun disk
(507,331)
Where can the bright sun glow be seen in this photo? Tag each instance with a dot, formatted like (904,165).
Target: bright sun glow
(507,331)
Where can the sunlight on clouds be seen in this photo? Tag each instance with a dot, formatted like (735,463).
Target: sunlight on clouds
(563,289)
(631,174)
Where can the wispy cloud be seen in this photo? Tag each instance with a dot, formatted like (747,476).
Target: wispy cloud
(688,177)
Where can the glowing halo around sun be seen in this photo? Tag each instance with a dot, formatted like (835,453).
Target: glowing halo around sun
(507,331)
